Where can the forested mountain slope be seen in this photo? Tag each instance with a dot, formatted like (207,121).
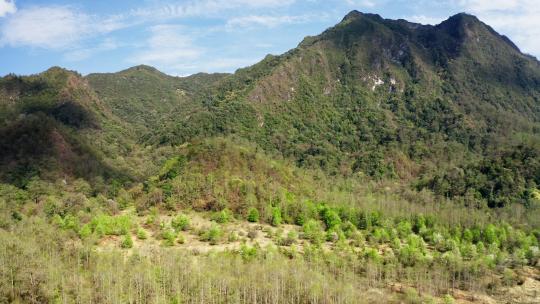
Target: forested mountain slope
(429,105)
(52,124)
(145,98)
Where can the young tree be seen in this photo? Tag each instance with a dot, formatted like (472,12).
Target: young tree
(253,215)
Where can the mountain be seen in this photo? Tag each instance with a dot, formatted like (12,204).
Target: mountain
(382,160)
(145,97)
(46,126)
(383,98)
(387,98)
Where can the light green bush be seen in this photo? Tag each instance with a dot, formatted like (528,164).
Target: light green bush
(276,216)
(212,235)
(223,216)
(180,223)
(127,242)
(313,231)
(141,234)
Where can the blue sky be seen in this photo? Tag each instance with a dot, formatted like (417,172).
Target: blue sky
(185,37)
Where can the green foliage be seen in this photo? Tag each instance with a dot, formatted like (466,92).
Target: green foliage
(180,223)
(404,228)
(330,217)
(313,231)
(372,254)
(223,216)
(212,235)
(276,218)
(172,167)
(127,242)
(448,299)
(168,236)
(85,231)
(111,225)
(253,215)
(141,234)
(248,253)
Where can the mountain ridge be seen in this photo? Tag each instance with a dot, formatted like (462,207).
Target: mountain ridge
(370,95)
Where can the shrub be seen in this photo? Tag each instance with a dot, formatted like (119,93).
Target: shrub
(212,235)
(509,277)
(111,225)
(412,297)
(85,231)
(223,216)
(313,231)
(248,253)
(467,235)
(348,228)
(448,299)
(357,238)
(289,240)
(292,236)
(127,242)
(490,234)
(331,218)
(253,215)
(141,234)
(380,235)
(276,216)
(180,223)
(372,254)
(404,228)
(300,219)
(409,255)
(168,236)
(335,234)
(533,254)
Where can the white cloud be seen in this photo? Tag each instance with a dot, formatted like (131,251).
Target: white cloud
(363,3)
(423,19)
(7,7)
(56,27)
(490,5)
(167,46)
(83,53)
(266,21)
(206,8)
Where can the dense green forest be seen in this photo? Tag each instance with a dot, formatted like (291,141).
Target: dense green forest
(382,161)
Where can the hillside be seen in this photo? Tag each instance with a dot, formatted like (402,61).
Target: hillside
(381,161)
(53,126)
(146,98)
(47,120)
(387,98)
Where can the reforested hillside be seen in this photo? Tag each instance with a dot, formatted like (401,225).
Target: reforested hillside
(381,160)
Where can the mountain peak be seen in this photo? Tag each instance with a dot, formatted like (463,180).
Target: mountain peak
(355,15)
(144,67)
(465,25)
(461,20)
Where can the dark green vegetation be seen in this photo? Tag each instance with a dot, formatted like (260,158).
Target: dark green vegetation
(390,152)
